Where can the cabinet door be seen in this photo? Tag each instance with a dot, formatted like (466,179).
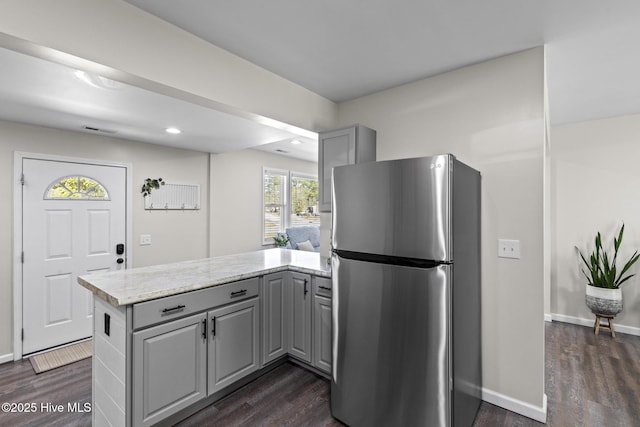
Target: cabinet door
(233,343)
(322,333)
(335,148)
(300,316)
(274,326)
(355,144)
(169,368)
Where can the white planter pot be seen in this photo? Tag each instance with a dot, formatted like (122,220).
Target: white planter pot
(604,301)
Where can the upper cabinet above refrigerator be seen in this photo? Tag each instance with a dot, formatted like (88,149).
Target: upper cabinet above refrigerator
(346,146)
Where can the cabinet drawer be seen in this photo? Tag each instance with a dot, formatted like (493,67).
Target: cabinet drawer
(163,309)
(322,286)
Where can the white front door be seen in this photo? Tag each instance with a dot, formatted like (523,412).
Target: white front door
(74,219)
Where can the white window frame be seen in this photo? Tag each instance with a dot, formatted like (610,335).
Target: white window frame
(285,205)
(287,199)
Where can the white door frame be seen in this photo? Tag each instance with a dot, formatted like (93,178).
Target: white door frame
(18,156)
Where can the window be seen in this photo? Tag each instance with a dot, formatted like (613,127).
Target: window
(290,199)
(275,194)
(304,200)
(76,188)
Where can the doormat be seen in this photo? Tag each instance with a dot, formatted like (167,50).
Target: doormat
(62,356)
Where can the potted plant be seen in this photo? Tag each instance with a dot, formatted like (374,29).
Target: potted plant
(280,240)
(603,293)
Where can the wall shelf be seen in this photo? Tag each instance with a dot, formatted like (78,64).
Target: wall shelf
(174,197)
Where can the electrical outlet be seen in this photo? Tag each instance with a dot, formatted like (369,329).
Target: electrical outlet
(145,239)
(508,248)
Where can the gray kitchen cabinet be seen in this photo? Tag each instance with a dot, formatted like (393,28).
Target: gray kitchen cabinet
(234,339)
(169,368)
(287,304)
(159,360)
(299,316)
(274,324)
(354,144)
(322,333)
(322,324)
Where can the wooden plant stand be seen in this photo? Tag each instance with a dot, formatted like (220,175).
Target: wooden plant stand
(597,325)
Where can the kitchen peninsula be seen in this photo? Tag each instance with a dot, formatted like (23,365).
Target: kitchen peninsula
(171,339)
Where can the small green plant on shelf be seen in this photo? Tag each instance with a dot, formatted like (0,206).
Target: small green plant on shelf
(150,184)
(280,240)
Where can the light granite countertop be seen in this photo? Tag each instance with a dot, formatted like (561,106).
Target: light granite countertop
(145,283)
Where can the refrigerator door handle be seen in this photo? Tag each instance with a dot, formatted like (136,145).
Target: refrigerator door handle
(335,327)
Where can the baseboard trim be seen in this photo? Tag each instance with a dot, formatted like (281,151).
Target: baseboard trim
(6,358)
(514,405)
(631,330)
(548,317)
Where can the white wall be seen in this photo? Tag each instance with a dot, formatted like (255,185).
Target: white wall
(595,175)
(176,235)
(491,116)
(236,197)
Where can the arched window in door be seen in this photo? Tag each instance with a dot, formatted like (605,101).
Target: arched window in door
(76,188)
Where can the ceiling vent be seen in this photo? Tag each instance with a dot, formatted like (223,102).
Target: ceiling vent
(95,129)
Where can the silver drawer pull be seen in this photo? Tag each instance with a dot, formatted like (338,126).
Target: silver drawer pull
(176,308)
(238,293)
(324,288)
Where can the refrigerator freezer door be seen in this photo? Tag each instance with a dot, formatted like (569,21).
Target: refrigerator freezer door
(399,208)
(390,344)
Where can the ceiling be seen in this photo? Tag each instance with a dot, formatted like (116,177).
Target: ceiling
(45,93)
(343,49)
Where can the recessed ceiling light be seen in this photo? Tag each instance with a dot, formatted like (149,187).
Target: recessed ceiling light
(174,131)
(296,141)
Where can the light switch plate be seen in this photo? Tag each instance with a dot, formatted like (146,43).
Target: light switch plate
(145,239)
(508,248)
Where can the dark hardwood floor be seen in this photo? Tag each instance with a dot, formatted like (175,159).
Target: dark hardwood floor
(20,386)
(591,381)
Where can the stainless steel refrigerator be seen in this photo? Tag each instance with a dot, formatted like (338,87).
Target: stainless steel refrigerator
(406,293)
